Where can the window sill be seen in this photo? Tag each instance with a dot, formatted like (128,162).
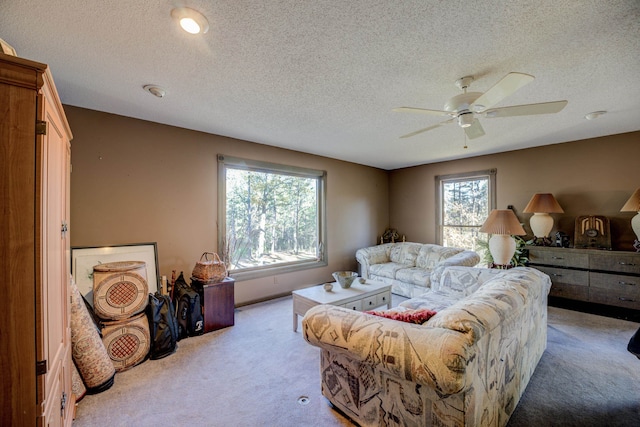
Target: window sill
(275,270)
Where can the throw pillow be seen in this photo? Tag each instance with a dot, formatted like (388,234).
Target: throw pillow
(378,257)
(419,316)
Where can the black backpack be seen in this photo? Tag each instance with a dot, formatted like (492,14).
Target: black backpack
(188,309)
(163,326)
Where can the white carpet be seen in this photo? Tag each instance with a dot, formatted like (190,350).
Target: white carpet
(254,373)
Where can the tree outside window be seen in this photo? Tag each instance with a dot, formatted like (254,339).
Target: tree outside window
(464,203)
(272,217)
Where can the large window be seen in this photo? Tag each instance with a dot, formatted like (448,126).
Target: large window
(271,217)
(464,203)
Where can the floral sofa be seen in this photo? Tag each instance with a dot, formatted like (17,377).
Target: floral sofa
(468,365)
(410,267)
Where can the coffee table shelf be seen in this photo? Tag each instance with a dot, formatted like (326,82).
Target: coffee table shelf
(358,297)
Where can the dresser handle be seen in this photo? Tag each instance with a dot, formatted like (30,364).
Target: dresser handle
(556,275)
(556,257)
(626,283)
(626,263)
(626,299)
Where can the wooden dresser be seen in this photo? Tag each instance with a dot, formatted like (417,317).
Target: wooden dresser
(590,275)
(35,349)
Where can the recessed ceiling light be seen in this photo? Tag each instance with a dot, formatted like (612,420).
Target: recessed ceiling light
(155,90)
(190,20)
(594,115)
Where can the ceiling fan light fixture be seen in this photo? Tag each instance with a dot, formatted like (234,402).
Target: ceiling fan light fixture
(465,119)
(190,20)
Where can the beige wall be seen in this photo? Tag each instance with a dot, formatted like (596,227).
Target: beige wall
(588,177)
(138,181)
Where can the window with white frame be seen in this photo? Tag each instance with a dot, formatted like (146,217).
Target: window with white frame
(271,217)
(464,202)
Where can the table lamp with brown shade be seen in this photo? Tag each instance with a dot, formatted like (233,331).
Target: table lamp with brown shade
(541,205)
(633,205)
(502,224)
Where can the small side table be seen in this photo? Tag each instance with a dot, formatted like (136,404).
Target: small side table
(217,303)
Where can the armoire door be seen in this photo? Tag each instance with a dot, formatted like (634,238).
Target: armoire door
(54,388)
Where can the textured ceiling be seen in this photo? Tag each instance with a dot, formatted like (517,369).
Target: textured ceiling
(323,76)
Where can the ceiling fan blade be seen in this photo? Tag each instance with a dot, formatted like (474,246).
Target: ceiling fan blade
(475,130)
(426,129)
(527,109)
(421,111)
(505,87)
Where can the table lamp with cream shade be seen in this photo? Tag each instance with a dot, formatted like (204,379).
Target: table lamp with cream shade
(541,205)
(502,224)
(633,205)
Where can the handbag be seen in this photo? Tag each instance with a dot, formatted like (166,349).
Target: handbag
(209,270)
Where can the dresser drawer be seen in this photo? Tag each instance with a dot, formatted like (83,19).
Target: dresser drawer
(383,298)
(614,281)
(623,298)
(621,263)
(574,292)
(355,305)
(370,303)
(559,257)
(566,276)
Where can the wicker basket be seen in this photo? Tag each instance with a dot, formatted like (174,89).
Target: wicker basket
(209,270)
(127,341)
(120,289)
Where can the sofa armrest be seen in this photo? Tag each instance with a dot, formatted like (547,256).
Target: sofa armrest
(435,357)
(372,255)
(464,258)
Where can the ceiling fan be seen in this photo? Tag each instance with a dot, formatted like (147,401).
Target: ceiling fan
(467,105)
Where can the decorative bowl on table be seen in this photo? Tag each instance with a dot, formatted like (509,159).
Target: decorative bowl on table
(345,278)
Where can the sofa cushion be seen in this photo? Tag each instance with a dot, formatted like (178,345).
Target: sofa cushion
(414,275)
(430,255)
(378,257)
(459,282)
(388,269)
(430,300)
(419,316)
(405,253)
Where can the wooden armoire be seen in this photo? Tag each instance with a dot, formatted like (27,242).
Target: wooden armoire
(35,339)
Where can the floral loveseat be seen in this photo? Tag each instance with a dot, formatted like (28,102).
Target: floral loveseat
(466,366)
(410,267)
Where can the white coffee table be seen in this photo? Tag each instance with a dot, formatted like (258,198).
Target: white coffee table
(358,297)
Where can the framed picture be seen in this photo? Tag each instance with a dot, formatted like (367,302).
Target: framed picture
(84,258)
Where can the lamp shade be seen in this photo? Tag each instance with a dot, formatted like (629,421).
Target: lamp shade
(633,204)
(543,203)
(502,221)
